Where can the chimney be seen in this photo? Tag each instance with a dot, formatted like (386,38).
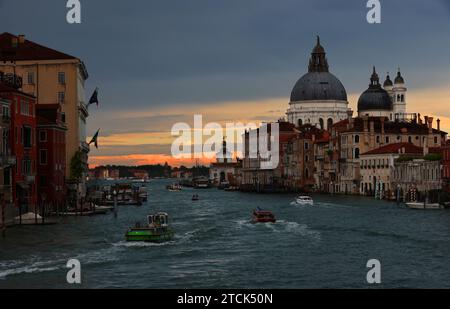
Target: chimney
(438,124)
(14,42)
(21,38)
(419,119)
(426,120)
(430,125)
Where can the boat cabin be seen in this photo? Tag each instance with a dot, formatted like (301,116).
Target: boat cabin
(160,219)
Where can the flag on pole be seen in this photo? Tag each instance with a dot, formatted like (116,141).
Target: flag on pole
(94,97)
(94,139)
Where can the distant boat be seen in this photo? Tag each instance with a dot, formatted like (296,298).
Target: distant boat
(195,197)
(304,200)
(424,206)
(173,187)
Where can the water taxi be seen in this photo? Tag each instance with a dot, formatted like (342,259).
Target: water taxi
(304,200)
(157,229)
(263,216)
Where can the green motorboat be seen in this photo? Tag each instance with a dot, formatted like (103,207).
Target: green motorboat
(157,229)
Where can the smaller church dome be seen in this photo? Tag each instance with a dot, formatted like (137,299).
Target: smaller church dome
(375,97)
(399,79)
(387,82)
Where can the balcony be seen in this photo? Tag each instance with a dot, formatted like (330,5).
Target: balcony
(7,160)
(30,178)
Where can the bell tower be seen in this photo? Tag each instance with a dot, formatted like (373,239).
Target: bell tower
(399,96)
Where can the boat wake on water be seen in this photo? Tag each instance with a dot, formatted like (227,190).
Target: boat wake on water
(281,226)
(37,264)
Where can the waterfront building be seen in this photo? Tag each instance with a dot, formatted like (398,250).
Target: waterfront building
(423,176)
(22,139)
(225,170)
(256,178)
(7,161)
(368,133)
(105,172)
(52,76)
(318,98)
(377,168)
(51,144)
(446,166)
(298,160)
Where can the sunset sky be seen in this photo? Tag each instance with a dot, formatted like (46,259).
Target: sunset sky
(159,62)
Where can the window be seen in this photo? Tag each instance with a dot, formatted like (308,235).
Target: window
(43,181)
(61,78)
(26,136)
(24,108)
(409,139)
(306,146)
(26,167)
(435,139)
(387,139)
(30,78)
(61,97)
(63,117)
(42,136)
(356,139)
(378,138)
(356,153)
(43,156)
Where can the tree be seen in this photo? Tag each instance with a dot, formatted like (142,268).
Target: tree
(76,166)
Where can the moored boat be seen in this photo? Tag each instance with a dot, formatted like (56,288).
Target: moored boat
(424,206)
(263,216)
(156,230)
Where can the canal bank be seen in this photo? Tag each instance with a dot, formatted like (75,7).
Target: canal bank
(215,246)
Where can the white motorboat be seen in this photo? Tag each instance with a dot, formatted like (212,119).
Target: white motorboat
(424,206)
(304,200)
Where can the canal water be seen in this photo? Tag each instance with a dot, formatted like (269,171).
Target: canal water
(324,246)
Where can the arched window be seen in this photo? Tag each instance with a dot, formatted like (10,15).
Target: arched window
(398,98)
(329,123)
(356,153)
(409,139)
(300,122)
(321,123)
(356,139)
(402,98)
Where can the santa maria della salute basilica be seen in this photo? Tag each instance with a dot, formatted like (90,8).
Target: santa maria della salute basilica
(324,146)
(319,98)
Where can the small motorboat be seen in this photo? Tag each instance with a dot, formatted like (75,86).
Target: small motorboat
(424,206)
(263,216)
(304,200)
(157,229)
(195,197)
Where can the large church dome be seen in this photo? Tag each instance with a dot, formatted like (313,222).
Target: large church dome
(375,97)
(318,84)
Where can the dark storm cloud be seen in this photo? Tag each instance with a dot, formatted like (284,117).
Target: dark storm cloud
(157,53)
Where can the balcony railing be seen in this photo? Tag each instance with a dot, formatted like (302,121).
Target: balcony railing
(7,160)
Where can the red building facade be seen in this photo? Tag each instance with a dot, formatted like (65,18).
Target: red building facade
(51,148)
(23,146)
